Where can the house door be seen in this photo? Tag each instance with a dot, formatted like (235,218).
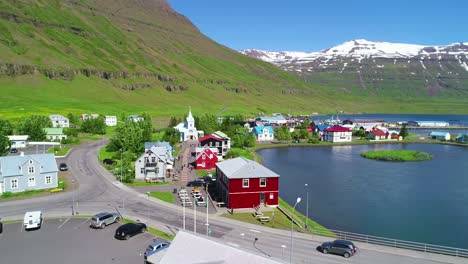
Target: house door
(262,198)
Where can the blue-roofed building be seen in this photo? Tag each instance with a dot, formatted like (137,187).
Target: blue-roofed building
(440,135)
(462,138)
(29,172)
(264,133)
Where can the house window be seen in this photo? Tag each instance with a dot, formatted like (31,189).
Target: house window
(245,183)
(142,170)
(153,159)
(203,156)
(48,179)
(262,182)
(14,184)
(31,170)
(31,181)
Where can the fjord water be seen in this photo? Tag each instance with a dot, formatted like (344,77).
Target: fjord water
(417,201)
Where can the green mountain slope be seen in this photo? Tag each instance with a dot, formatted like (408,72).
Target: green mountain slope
(111,56)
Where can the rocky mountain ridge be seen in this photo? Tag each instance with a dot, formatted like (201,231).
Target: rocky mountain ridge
(365,67)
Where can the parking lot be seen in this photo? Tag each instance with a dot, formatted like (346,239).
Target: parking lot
(69,240)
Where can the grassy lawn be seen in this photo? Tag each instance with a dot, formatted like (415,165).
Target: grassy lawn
(397,155)
(59,151)
(202,173)
(153,231)
(163,196)
(238,152)
(104,154)
(280,221)
(144,184)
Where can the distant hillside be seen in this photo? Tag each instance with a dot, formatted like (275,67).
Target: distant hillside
(381,69)
(112,56)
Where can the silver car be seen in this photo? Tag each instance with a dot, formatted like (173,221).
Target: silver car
(102,220)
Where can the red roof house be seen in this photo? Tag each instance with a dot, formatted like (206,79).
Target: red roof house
(337,134)
(244,183)
(206,158)
(377,134)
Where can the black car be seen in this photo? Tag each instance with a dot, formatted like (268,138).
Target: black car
(63,167)
(196,183)
(108,161)
(128,230)
(13,150)
(341,247)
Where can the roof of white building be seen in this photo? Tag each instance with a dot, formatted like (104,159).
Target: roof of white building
(242,168)
(190,248)
(11,165)
(18,137)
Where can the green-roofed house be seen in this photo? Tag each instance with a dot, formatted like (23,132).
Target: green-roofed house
(55,134)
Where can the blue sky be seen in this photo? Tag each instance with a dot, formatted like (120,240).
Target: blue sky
(313,25)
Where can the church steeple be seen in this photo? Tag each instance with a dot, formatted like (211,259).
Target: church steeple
(190,119)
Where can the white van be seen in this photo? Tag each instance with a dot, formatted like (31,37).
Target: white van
(32,220)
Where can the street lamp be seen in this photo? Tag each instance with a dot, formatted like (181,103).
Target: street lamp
(298,200)
(121,163)
(307,205)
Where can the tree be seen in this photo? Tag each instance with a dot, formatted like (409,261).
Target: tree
(208,123)
(171,135)
(5,130)
(404,131)
(94,125)
(72,118)
(146,126)
(283,133)
(173,122)
(128,137)
(34,127)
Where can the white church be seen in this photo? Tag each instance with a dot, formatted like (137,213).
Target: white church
(187,130)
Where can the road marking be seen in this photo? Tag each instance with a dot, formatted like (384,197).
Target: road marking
(87,219)
(63,222)
(255,231)
(233,244)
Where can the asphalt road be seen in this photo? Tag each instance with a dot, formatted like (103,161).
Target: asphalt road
(69,241)
(98,192)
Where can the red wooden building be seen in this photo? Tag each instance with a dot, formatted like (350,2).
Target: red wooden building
(244,183)
(206,158)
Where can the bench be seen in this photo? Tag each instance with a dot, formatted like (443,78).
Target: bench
(201,203)
(257,214)
(264,219)
(221,204)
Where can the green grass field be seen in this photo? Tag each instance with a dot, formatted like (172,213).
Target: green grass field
(59,151)
(163,196)
(397,155)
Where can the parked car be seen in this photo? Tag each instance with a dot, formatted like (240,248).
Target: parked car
(195,183)
(156,246)
(209,178)
(108,161)
(1,227)
(13,150)
(128,230)
(340,247)
(63,167)
(32,220)
(102,220)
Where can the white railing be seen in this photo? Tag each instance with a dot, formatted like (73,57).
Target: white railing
(395,243)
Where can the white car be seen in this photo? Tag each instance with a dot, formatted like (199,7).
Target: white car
(32,220)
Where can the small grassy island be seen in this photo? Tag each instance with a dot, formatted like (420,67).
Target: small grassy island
(397,155)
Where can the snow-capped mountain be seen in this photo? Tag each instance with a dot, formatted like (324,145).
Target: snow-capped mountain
(368,65)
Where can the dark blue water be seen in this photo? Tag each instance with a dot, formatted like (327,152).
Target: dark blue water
(417,201)
(393,118)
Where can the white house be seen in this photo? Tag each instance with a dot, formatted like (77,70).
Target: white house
(111,120)
(264,133)
(337,134)
(187,130)
(440,135)
(153,164)
(55,134)
(87,116)
(136,118)
(59,121)
(18,141)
